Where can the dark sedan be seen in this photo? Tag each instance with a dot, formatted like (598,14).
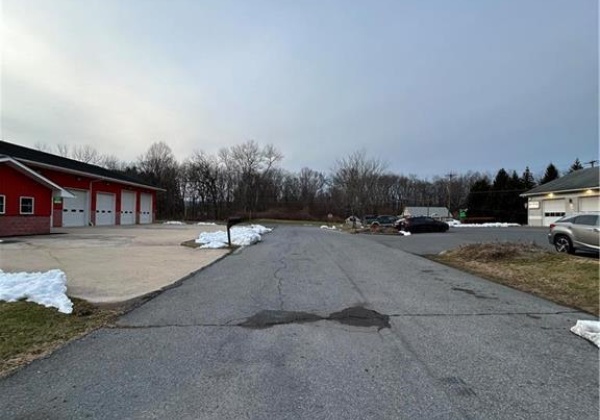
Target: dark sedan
(422,224)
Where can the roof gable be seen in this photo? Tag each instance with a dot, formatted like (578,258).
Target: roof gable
(32,156)
(58,191)
(582,179)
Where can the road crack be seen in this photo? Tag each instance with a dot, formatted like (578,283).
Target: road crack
(279,280)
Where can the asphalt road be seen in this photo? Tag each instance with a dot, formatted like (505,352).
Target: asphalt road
(457,347)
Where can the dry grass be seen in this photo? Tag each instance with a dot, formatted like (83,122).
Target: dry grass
(29,331)
(565,279)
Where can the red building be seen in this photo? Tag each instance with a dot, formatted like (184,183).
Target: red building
(40,190)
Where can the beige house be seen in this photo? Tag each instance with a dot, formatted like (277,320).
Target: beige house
(438,213)
(576,192)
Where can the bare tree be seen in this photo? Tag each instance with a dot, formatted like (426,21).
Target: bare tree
(43,147)
(63,150)
(355,177)
(159,167)
(87,154)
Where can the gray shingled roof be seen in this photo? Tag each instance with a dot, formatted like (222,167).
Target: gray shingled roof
(27,155)
(582,179)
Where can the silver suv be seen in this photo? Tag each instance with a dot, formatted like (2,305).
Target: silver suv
(576,232)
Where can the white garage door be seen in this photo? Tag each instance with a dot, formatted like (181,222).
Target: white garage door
(127,208)
(75,210)
(589,203)
(105,209)
(553,210)
(145,208)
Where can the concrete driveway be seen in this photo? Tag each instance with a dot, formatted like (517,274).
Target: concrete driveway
(112,264)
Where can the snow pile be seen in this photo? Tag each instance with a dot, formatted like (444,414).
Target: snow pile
(476,225)
(404,233)
(240,236)
(328,227)
(48,289)
(589,330)
(206,224)
(453,223)
(173,222)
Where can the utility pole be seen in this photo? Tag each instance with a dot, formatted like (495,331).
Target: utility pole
(448,184)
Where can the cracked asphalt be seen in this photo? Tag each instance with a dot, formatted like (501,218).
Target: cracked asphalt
(457,346)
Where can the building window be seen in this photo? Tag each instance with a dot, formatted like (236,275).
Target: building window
(554,214)
(2,204)
(26,205)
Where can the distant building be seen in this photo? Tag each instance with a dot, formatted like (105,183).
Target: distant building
(576,192)
(438,213)
(40,190)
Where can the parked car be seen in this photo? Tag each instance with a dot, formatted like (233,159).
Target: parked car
(368,219)
(422,224)
(576,232)
(383,220)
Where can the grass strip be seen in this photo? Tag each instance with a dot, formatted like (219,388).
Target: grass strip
(29,331)
(568,280)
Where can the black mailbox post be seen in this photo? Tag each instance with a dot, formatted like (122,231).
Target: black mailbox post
(231,222)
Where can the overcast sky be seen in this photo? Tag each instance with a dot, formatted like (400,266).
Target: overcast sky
(430,87)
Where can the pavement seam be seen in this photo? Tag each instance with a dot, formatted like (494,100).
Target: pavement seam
(486,314)
(144,327)
(229,323)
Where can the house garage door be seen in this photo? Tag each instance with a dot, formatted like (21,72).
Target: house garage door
(145,208)
(553,210)
(105,209)
(589,203)
(75,210)
(127,208)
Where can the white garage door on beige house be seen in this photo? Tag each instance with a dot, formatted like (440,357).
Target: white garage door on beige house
(576,192)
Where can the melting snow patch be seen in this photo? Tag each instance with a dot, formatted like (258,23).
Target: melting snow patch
(206,224)
(404,233)
(173,222)
(589,330)
(48,289)
(240,236)
(328,227)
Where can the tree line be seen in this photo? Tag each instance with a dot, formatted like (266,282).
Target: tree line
(247,180)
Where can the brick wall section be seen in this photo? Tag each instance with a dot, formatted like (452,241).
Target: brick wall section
(23,225)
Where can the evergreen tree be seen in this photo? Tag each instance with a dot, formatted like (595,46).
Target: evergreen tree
(499,194)
(550,175)
(517,213)
(527,179)
(576,166)
(502,180)
(478,198)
